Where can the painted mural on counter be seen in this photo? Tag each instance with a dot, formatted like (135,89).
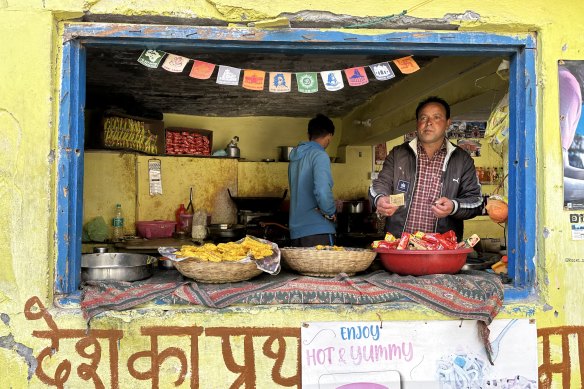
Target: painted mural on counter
(319,355)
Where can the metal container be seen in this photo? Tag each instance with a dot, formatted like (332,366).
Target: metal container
(355,206)
(285,153)
(226,231)
(116,267)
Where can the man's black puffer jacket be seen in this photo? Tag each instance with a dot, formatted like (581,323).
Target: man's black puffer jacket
(459,183)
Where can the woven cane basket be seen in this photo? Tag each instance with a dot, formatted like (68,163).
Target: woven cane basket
(327,263)
(217,272)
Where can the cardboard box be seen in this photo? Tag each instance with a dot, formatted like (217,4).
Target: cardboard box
(124,132)
(188,141)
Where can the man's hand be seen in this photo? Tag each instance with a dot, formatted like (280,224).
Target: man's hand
(385,207)
(442,207)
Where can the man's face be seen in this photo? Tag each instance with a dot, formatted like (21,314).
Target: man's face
(432,123)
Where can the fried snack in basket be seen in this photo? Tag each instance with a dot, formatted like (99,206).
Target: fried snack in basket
(332,248)
(231,251)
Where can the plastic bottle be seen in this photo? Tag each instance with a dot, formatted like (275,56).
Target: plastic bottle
(118,224)
(180,211)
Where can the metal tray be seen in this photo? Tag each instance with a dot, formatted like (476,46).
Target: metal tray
(116,267)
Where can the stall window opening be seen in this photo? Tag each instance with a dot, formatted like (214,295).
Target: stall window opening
(521,180)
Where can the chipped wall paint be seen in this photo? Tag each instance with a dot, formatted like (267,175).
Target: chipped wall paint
(28,109)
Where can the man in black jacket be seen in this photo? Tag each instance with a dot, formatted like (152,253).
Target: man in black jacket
(428,184)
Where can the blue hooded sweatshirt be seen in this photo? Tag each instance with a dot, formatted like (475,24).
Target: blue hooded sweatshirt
(311,184)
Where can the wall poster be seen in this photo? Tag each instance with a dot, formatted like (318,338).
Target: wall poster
(465,134)
(571,84)
(418,354)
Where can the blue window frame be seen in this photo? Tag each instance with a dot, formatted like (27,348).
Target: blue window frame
(520,49)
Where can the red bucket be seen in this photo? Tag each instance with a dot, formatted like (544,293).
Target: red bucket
(423,262)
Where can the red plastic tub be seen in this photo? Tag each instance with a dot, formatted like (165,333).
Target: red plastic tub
(155,228)
(423,262)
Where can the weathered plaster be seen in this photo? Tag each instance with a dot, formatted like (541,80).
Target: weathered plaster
(29,96)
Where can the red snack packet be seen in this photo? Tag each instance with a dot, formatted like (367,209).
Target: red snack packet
(418,243)
(382,244)
(403,241)
(450,236)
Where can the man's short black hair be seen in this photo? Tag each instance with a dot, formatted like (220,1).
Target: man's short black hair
(320,126)
(433,99)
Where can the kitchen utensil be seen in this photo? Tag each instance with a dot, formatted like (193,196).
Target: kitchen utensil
(232,150)
(165,263)
(223,231)
(100,250)
(116,267)
(355,206)
(285,153)
(423,262)
(155,228)
(258,204)
(189,208)
(482,262)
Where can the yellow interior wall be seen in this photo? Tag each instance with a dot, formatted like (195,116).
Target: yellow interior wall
(259,137)
(29,118)
(109,178)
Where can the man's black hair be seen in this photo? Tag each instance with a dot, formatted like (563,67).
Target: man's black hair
(320,126)
(434,99)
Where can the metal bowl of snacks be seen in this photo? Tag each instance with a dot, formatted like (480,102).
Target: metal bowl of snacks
(423,262)
(116,267)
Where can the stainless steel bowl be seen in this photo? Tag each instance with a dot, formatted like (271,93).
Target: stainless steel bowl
(116,267)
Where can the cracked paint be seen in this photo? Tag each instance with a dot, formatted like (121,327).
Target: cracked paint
(23,351)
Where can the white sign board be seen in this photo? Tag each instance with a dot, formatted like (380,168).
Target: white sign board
(405,355)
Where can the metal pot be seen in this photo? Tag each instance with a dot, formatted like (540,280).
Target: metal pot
(116,267)
(355,206)
(229,231)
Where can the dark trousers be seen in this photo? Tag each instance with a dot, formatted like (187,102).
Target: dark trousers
(313,240)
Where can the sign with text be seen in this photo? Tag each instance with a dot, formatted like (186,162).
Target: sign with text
(405,355)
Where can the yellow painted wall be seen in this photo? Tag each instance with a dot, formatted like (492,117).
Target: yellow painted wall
(29,99)
(259,137)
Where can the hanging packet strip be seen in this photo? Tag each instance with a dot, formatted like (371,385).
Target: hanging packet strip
(406,65)
(332,80)
(307,82)
(382,71)
(228,75)
(155,176)
(356,76)
(280,82)
(202,70)
(175,63)
(151,58)
(253,79)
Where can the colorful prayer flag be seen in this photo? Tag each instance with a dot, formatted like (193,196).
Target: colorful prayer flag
(307,82)
(253,79)
(332,80)
(382,71)
(406,65)
(356,76)
(202,70)
(280,82)
(151,58)
(175,63)
(228,75)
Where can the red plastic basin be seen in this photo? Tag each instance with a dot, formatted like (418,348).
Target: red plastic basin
(155,228)
(423,262)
